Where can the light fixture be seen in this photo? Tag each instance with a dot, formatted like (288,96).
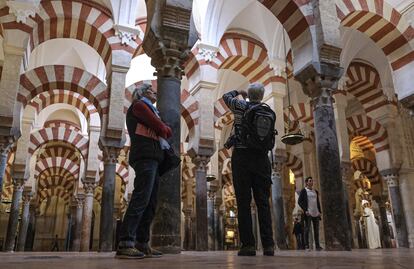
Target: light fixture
(290,138)
(210,178)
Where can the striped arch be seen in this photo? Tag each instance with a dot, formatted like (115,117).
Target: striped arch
(383,24)
(189,110)
(64,150)
(50,77)
(295,17)
(224,156)
(62,123)
(229,196)
(54,163)
(303,113)
(7,192)
(46,135)
(362,125)
(367,168)
(45,99)
(56,177)
(57,191)
(295,165)
(364,146)
(364,83)
(247,56)
(222,114)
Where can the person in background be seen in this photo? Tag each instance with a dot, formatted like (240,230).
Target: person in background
(297,231)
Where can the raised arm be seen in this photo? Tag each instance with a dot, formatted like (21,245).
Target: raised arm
(230,99)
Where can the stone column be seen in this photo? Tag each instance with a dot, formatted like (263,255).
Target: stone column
(345,175)
(108,192)
(211,195)
(277,200)
(201,203)
(318,81)
(391,177)
(89,186)
(30,237)
(187,228)
(169,36)
(218,224)
(385,230)
(18,184)
(77,208)
(5,147)
(24,223)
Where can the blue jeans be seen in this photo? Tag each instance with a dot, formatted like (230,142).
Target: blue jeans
(141,209)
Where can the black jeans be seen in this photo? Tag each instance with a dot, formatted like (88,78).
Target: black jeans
(252,171)
(315,224)
(299,243)
(141,209)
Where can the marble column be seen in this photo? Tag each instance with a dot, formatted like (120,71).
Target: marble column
(211,195)
(4,153)
(34,212)
(201,203)
(18,184)
(391,177)
(277,201)
(384,228)
(218,224)
(24,222)
(187,228)
(108,194)
(345,175)
(77,208)
(319,80)
(89,188)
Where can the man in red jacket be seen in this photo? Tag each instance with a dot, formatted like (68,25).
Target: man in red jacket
(145,129)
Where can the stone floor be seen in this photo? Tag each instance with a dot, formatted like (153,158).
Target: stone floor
(364,259)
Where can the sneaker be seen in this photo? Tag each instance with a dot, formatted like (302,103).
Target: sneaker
(129,253)
(247,251)
(319,248)
(268,251)
(148,251)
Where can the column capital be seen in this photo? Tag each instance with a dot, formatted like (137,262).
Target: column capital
(279,159)
(126,33)
(23,9)
(18,183)
(78,200)
(6,144)
(187,212)
(89,186)
(201,162)
(110,154)
(27,195)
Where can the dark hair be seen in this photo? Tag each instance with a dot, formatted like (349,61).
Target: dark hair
(307,179)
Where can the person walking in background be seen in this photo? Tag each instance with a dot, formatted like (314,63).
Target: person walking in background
(297,231)
(309,202)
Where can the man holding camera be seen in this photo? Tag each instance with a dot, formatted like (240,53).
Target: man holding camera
(251,171)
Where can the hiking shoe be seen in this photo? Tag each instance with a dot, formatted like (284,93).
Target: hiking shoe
(268,251)
(129,253)
(247,251)
(148,251)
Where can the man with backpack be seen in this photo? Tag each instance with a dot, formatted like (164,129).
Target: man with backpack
(254,135)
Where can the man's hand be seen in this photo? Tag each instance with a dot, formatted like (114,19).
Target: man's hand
(243,93)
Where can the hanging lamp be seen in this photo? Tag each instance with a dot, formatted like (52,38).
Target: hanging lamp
(291,137)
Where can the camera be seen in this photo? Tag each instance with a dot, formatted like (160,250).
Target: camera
(231,141)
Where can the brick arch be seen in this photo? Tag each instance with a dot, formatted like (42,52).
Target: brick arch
(75,99)
(383,24)
(368,168)
(56,177)
(229,196)
(364,83)
(366,146)
(295,17)
(46,135)
(363,125)
(56,165)
(59,149)
(247,56)
(50,77)
(57,191)
(295,165)
(222,114)
(62,123)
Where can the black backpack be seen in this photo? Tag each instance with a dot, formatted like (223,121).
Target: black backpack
(258,127)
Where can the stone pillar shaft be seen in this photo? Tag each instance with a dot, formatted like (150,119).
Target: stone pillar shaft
(277,202)
(211,217)
(166,225)
(14,214)
(187,229)
(107,204)
(4,153)
(89,187)
(397,207)
(201,204)
(77,208)
(24,223)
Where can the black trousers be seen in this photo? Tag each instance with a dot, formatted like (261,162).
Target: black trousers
(141,209)
(299,243)
(315,223)
(252,172)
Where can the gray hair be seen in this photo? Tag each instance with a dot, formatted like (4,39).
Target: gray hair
(140,90)
(255,92)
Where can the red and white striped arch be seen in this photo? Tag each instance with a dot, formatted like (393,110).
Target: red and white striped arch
(75,99)
(70,166)
(365,145)
(51,77)
(62,123)
(222,114)
(295,165)
(300,112)
(383,24)
(189,109)
(295,16)
(46,135)
(363,125)
(56,177)
(229,196)
(57,191)
(364,83)
(367,168)
(246,56)
(58,149)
